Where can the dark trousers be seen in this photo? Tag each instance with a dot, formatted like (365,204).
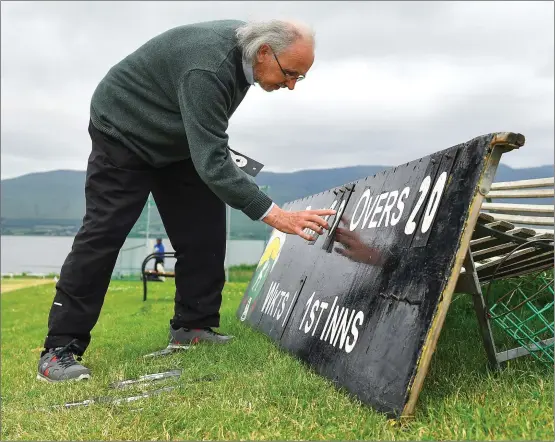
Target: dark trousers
(117,186)
(156,262)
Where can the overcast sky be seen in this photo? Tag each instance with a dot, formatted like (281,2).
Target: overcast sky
(392,81)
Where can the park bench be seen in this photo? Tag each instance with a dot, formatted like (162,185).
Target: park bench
(149,275)
(510,240)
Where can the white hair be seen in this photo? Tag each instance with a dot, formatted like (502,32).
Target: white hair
(278,34)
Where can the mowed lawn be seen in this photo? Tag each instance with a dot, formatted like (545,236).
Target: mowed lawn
(11,284)
(249,389)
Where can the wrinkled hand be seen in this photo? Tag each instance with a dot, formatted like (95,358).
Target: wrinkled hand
(297,222)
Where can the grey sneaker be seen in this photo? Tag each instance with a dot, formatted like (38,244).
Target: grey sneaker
(58,364)
(189,336)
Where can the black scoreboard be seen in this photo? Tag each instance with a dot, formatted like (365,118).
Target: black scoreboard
(358,303)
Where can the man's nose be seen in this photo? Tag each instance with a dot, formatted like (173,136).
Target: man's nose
(291,84)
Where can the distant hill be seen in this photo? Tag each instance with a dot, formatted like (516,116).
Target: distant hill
(56,198)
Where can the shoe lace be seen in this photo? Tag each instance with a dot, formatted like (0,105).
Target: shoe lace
(66,353)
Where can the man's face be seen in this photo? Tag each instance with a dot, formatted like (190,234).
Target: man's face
(295,60)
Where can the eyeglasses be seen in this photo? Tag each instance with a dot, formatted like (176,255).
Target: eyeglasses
(288,75)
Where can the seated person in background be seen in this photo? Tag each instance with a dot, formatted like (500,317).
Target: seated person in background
(159,259)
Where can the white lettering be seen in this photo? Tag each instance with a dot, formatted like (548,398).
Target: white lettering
(366,197)
(377,210)
(400,206)
(306,309)
(322,336)
(388,206)
(340,326)
(274,304)
(334,324)
(410,227)
(284,299)
(271,293)
(359,317)
(308,325)
(433,203)
(344,328)
(323,306)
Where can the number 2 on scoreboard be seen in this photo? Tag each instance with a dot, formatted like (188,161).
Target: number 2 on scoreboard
(431,207)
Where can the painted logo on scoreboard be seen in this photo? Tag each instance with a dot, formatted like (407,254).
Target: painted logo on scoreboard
(267,262)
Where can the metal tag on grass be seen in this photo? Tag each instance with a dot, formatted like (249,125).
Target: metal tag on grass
(166,351)
(115,401)
(147,378)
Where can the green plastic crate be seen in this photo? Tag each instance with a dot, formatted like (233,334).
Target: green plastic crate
(525,313)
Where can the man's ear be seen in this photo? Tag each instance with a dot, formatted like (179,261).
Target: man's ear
(263,52)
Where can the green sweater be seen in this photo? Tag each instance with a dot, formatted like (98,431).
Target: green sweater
(171,100)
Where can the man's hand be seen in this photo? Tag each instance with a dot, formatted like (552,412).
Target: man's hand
(297,222)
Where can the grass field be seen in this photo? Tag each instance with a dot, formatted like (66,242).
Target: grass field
(10,284)
(255,391)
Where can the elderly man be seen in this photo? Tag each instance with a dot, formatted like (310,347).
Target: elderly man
(158,124)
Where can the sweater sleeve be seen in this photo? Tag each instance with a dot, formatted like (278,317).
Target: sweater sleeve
(204,100)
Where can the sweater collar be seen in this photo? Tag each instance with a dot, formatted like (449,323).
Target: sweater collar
(249,72)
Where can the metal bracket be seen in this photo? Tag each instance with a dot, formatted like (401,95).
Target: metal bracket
(346,192)
(521,351)
(468,283)
(489,173)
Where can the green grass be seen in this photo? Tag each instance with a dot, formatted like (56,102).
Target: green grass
(242,273)
(259,392)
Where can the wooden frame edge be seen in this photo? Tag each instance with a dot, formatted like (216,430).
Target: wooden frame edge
(515,140)
(430,342)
